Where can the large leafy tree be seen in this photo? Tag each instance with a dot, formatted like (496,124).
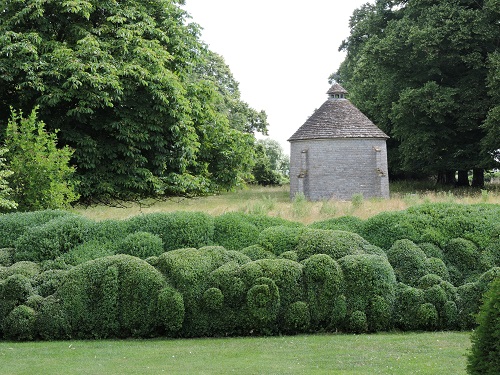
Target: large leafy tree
(118,79)
(419,69)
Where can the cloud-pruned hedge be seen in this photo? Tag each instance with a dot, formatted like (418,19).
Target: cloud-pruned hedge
(189,274)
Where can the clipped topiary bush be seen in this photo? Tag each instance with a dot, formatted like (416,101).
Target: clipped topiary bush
(87,251)
(484,357)
(176,229)
(297,318)
(408,261)
(13,225)
(462,256)
(427,316)
(437,267)
(141,245)
(324,283)
(6,257)
(344,223)
(16,288)
(431,250)
(334,243)
(52,321)
(46,283)
(234,231)
(256,252)
(367,276)
(20,324)
(280,239)
(407,305)
(358,322)
(28,269)
(52,239)
(116,296)
(190,271)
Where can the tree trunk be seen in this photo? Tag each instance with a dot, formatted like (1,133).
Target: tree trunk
(478,177)
(463,178)
(446,177)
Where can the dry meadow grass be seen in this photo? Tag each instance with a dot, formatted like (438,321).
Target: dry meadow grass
(275,201)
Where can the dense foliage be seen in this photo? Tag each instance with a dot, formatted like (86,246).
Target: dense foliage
(484,357)
(187,274)
(42,177)
(148,109)
(426,72)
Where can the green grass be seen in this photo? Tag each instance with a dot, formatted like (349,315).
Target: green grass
(402,353)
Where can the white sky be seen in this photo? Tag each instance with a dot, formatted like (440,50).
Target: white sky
(280,51)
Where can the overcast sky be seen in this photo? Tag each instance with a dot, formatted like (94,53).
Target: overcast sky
(280,51)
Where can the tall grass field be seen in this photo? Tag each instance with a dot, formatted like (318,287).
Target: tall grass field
(275,201)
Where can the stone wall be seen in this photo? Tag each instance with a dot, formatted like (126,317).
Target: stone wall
(339,168)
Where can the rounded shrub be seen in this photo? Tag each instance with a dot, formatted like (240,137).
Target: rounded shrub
(52,322)
(408,260)
(48,282)
(279,239)
(20,324)
(431,250)
(380,314)
(6,257)
(16,288)
(408,302)
(468,304)
(334,243)
(213,299)
(191,272)
(437,267)
(367,276)
(170,309)
(113,296)
(297,318)
(89,250)
(177,230)
(52,239)
(256,252)
(449,315)
(387,227)
(344,223)
(324,283)
(484,357)
(427,316)
(141,245)
(286,274)
(462,254)
(234,231)
(358,322)
(290,255)
(13,225)
(25,268)
(263,303)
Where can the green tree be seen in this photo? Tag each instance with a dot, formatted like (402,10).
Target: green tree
(120,80)
(5,190)
(278,160)
(419,69)
(42,176)
(262,171)
(484,357)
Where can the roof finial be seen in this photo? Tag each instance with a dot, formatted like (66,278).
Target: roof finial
(336,91)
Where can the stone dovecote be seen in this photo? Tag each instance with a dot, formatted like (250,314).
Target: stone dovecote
(338,152)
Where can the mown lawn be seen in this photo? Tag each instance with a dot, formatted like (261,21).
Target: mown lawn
(401,353)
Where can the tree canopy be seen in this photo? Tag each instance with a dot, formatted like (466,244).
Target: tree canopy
(426,72)
(146,106)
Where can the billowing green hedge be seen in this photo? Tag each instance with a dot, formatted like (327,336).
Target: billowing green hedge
(190,275)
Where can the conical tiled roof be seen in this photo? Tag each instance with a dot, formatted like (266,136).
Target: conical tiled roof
(337,118)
